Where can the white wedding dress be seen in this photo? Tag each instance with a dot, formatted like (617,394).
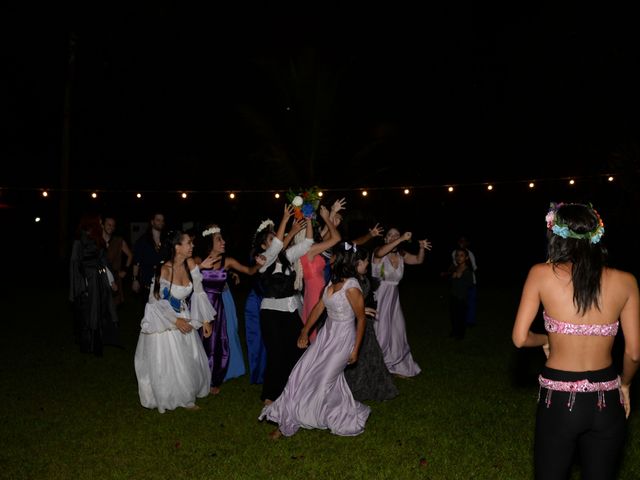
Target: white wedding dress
(171,366)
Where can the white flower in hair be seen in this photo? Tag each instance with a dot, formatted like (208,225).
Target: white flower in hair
(211,231)
(297,201)
(267,223)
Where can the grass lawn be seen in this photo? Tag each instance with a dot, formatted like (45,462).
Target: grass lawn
(468,415)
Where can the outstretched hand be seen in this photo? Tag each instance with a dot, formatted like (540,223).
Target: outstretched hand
(288,212)
(297,226)
(338,205)
(426,244)
(376,231)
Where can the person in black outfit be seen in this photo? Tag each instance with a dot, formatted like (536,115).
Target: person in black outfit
(146,255)
(91,286)
(369,378)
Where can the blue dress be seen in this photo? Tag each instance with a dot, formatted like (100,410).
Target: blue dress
(256,351)
(236,366)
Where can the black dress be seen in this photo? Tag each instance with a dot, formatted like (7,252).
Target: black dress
(369,378)
(96,321)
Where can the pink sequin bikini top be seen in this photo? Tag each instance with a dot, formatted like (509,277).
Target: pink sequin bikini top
(556,326)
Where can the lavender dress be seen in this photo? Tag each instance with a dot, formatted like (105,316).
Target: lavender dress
(317,394)
(217,345)
(390,327)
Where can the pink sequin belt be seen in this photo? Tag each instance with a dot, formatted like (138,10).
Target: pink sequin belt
(579,386)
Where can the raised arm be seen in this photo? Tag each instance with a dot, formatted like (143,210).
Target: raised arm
(388,247)
(332,238)
(234,264)
(286,215)
(413,259)
(296,226)
(374,232)
(334,217)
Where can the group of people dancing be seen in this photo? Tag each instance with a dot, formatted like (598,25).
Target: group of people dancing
(324,331)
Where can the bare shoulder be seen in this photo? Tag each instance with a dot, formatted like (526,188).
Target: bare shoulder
(540,270)
(621,278)
(165,271)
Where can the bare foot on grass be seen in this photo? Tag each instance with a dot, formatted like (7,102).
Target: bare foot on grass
(275,435)
(214,390)
(193,408)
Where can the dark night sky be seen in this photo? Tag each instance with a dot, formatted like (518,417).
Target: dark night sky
(199,97)
(261,96)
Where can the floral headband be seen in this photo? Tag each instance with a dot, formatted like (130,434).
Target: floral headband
(265,224)
(211,231)
(560,228)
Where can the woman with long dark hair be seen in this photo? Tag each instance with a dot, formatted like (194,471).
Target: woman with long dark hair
(583,399)
(317,394)
(170,361)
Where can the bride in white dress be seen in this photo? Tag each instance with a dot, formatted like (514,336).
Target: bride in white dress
(170,362)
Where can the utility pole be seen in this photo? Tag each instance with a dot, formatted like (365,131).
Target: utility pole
(65,157)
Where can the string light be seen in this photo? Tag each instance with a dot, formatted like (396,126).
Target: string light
(45,193)
(37,219)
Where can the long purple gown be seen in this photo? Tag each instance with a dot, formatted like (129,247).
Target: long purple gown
(217,345)
(390,328)
(317,394)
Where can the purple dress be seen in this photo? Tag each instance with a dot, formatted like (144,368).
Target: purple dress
(217,345)
(390,328)
(317,394)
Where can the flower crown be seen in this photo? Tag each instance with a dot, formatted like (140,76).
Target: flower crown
(211,231)
(304,203)
(560,228)
(265,224)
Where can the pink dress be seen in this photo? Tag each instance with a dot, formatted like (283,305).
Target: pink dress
(313,274)
(317,394)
